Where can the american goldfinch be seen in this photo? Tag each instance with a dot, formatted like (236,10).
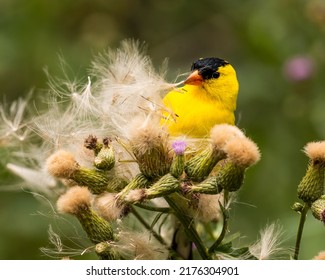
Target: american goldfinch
(207,98)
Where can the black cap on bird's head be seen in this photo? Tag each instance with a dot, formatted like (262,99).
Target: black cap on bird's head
(204,69)
(211,62)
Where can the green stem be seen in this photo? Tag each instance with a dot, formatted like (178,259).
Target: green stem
(225,198)
(147,226)
(153,208)
(176,202)
(155,234)
(303,215)
(225,214)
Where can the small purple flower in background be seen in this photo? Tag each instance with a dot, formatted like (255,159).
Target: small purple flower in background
(299,68)
(179,147)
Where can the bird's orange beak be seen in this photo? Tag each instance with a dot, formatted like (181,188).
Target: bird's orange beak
(194,79)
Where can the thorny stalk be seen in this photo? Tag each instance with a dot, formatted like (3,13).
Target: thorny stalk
(303,215)
(181,213)
(225,218)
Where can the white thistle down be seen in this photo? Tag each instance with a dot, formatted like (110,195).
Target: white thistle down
(38,181)
(139,246)
(57,250)
(269,245)
(84,102)
(123,86)
(12,125)
(128,86)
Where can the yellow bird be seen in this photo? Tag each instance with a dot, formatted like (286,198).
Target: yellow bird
(208,98)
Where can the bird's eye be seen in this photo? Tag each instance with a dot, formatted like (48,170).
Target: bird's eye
(215,75)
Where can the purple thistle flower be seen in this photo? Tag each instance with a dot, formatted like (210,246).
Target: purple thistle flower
(179,147)
(299,68)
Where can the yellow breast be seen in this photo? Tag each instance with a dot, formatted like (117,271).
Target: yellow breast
(195,112)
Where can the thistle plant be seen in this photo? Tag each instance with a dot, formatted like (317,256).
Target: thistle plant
(101,154)
(311,189)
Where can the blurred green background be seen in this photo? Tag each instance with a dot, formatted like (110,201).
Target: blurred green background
(277,48)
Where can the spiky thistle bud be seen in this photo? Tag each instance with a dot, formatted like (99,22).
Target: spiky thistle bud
(91,143)
(211,185)
(200,166)
(318,209)
(105,158)
(229,176)
(106,251)
(297,207)
(241,154)
(138,182)
(77,202)
(311,186)
(149,143)
(98,181)
(62,164)
(177,167)
(164,186)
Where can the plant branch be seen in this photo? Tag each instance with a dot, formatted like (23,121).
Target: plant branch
(177,203)
(155,234)
(225,215)
(153,208)
(147,226)
(303,215)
